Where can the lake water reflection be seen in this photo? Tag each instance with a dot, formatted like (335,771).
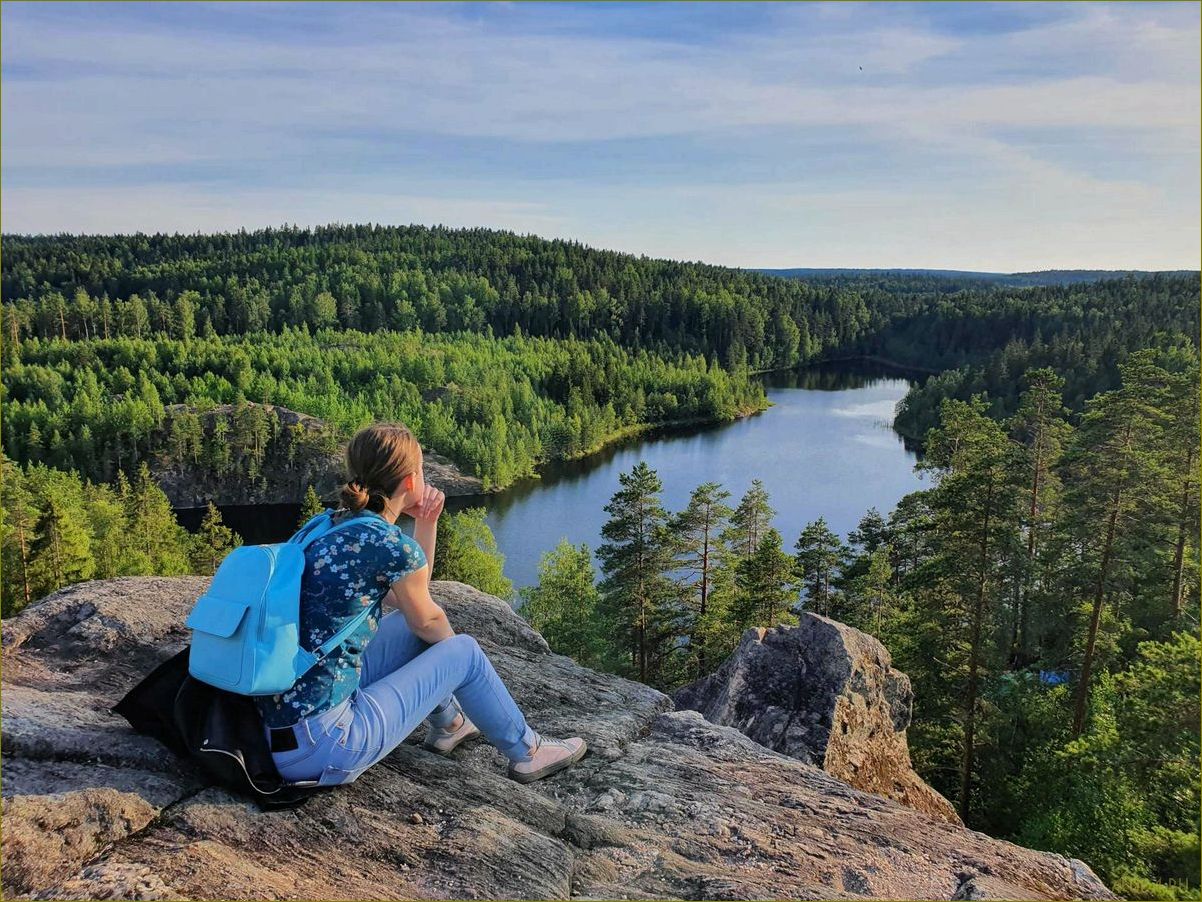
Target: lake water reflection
(826,448)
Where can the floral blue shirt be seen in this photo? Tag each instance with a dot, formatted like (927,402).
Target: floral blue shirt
(344,572)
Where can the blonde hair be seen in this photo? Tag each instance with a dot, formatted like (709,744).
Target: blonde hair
(378,457)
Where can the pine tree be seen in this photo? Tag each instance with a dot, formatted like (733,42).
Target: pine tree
(750,520)
(640,603)
(697,529)
(975,528)
(817,563)
(187,438)
(1182,444)
(1041,431)
(1117,484)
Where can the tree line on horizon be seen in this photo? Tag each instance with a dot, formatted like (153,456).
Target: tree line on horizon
(382,278)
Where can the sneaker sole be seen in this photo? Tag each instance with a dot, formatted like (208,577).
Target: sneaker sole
(550,768)
(460,741)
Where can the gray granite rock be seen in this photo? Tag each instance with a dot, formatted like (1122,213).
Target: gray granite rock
(666,805)
(306,454)
(825,694)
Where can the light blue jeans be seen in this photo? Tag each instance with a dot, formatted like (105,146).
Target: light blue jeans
(405,680)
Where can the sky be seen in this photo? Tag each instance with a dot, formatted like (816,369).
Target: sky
(998,137)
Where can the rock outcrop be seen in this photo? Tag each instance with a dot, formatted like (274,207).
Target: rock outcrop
(825,694)
(665,805)
(299,451)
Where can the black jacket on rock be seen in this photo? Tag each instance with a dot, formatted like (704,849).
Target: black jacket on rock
(221,731)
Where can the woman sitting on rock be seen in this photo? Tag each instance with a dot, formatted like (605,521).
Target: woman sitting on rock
(396,670)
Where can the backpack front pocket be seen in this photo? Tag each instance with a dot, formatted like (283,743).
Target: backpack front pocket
(216,656)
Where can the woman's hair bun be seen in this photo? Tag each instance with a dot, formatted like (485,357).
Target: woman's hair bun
(354,495)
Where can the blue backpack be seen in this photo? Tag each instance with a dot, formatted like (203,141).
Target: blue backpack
(246,627)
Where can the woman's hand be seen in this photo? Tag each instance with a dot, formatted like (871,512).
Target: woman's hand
(428,507)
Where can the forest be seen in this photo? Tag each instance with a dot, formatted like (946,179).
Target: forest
(496,406)
(979,335)
(1042,594)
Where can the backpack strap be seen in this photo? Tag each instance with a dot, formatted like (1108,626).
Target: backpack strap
(319,525)
(311,531)
(337,639)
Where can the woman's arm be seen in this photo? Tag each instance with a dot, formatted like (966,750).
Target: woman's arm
(411,596)
(411,593)
(425,533)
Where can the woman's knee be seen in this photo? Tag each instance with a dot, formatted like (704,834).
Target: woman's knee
(463,643)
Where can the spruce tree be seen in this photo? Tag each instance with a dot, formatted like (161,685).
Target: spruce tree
(213,542)
(17,536)
(310,507)
(108,528)
(161,544)
(61,552)
(767,589)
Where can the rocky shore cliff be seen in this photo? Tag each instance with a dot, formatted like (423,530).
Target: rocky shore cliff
(299,451)
(666,805)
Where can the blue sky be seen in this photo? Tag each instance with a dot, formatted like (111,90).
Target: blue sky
(969,136)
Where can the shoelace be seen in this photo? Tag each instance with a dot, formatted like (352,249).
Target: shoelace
(557,743)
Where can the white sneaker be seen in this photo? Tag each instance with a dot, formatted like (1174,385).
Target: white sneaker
(550,756)
(445,741)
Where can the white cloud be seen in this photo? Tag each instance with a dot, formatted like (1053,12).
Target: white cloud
(117,96)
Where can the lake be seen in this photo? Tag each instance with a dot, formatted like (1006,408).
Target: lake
(825,448)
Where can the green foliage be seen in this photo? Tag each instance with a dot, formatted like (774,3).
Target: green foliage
(563,605)
(155,542)
(1085,722)
(467,552)
(59,529)
(374,278)
(498,407)
(816,565)
(212,542)
(767,590)
(311,506)
(982,340)
(698,562)
(642,608)
(1123,796)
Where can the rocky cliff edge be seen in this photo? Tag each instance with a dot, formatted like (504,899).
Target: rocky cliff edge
(666,804)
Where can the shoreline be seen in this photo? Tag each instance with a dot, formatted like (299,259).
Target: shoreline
(626,432)
(640,428)
(852,358)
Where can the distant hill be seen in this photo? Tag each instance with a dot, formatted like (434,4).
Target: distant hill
(1012,280)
